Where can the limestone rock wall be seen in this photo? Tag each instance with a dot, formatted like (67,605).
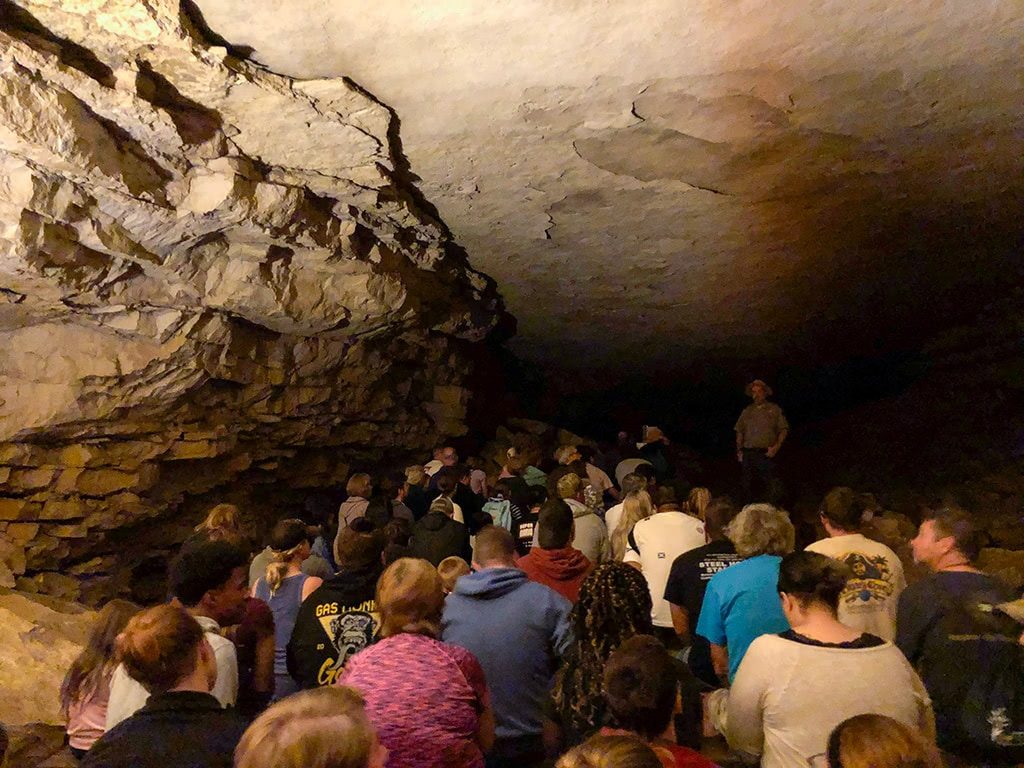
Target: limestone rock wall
(213,282)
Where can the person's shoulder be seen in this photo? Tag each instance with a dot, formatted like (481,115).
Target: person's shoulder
(223,649)
(821,547)
(713,551)
(542,597)
(770,646)
(684,757)
(921,591)
(228,720)
(457,653)
(690,522)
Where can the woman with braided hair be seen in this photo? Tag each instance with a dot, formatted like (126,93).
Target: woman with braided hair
(614,605)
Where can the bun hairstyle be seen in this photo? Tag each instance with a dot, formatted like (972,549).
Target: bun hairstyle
(813,578)
(286,541)
(160,646)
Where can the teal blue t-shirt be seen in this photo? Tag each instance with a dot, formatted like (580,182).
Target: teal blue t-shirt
(741,604)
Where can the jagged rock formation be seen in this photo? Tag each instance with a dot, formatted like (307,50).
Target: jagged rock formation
(212,278)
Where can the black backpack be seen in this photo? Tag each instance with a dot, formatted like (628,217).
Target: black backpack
(991,722)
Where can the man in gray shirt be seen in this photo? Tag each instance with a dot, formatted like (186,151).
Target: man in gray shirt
(760,431)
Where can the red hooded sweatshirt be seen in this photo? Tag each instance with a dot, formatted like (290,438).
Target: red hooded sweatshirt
(561,569)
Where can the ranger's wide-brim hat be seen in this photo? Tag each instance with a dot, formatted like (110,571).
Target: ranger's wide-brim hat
(750,387)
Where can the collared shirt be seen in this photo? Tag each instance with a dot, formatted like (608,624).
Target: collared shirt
(127,696)
(761,424)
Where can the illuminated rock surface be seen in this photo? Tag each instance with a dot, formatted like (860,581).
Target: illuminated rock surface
(213,280)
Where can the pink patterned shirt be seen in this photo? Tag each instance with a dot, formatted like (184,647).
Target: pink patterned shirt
(425,699)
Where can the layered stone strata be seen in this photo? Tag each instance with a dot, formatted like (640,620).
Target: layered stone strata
(215,282)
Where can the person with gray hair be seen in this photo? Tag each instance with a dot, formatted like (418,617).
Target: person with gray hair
(741,602)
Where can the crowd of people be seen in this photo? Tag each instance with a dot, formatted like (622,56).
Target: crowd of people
(582,614)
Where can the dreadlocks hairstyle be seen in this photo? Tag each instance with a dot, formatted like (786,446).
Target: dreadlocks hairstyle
(614,604)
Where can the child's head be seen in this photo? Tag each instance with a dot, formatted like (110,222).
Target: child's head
(322,728)
(450,569)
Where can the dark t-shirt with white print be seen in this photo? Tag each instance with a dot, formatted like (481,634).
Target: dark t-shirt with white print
(687,582)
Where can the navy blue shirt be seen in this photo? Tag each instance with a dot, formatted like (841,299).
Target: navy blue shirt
(184,729)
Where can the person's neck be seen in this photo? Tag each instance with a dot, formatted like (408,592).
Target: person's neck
(492,565)
(294,568)
(199,612)
(196,682)
(954,562)
(819,624)
(834,532)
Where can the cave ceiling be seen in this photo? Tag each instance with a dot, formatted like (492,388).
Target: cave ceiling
(657,183)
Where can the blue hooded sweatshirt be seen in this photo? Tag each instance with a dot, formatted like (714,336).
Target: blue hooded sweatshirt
(517,629)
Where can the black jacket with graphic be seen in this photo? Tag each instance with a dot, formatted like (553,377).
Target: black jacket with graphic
(337,621)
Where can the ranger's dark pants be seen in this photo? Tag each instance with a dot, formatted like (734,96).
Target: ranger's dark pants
(759,480)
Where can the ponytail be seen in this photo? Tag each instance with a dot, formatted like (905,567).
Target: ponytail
(285,542)
(278,567)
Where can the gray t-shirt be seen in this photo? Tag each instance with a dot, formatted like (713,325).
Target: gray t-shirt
(761,425)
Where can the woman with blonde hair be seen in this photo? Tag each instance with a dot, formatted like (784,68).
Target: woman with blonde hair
(697,502)
(410,672)
(611,752)
(636,506)
(182,724)
(283,587)
(222,523)
(86,688)
(877,741)
(322,728)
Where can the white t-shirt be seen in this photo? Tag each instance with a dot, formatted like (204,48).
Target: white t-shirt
(626,466)
(869,601)
(787,696)
(612,518)
(599,478)
(655,543)
(127,696)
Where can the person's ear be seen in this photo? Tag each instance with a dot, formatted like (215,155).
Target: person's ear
(209,599)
